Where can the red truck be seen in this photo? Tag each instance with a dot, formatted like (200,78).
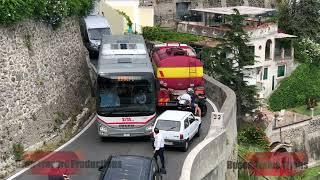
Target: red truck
(177,68)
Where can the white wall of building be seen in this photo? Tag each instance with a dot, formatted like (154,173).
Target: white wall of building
(265,82)
(140,15)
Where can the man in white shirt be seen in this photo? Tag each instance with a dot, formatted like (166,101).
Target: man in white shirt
(159,147)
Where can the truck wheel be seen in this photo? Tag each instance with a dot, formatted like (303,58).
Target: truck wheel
(186,146)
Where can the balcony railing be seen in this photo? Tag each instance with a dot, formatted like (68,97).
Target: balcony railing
(145,3)
(199,28)
(283,54)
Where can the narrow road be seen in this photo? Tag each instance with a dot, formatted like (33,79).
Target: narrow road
(93,148)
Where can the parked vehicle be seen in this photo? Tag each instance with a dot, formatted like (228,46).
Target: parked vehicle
(178,127)
(131,168)
(177,69)
(125,88)
(200,100)
(93,28)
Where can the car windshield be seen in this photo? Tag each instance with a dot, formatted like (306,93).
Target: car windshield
(96,34)
(128,168)
(168,125)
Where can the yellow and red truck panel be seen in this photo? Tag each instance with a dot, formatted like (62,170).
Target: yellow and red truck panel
(178,72)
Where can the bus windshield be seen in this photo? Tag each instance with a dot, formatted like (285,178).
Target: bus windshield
(122,96)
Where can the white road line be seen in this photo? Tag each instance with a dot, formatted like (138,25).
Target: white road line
(61,147)
(213,105)
(73,139)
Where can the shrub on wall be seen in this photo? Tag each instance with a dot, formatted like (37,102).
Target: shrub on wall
(159,34)
(54,12)
(79,7)
(293,91)
(15,10)
(50,11)
(253,136)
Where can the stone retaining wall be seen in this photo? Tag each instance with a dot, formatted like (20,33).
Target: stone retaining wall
(208,160)
(304,136)
(43,80)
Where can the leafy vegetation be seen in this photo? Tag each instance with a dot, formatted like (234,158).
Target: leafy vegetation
(304,83)
(252,139)
(50,11)
(129,22)
(295,90)
(304,110)
(226,63)
(307,51)
(18,151)
(293,15)
(311,173)
(159,34)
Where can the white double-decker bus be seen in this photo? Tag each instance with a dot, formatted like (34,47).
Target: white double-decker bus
(125,87)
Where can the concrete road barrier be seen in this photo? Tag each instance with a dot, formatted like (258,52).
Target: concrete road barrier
(208,160)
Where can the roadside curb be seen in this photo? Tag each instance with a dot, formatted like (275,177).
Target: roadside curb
(83,128)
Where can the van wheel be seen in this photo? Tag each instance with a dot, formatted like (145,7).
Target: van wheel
(186,146)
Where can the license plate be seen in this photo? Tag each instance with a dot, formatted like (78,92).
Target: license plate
(168,143)
(126,135)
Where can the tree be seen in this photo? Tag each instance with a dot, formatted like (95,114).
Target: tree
(300,17)
(227,62)
(307,51)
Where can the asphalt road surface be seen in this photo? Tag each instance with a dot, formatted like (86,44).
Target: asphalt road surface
(93,148)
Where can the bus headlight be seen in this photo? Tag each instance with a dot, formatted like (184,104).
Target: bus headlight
(103,129)
(149,128)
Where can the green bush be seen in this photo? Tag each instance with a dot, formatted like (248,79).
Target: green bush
(293,91)
(79,7)
(12,11)
(51,11)
(54,12)
(253,136)
(18,151)
(159,34)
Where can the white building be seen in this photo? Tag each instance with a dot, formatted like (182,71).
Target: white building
(273,50)
(140,12)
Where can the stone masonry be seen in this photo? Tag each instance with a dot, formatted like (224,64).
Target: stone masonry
(43,80)
(303,136)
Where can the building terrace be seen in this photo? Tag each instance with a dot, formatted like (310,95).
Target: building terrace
(273,50)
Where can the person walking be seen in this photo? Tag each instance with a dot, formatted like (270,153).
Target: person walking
(159,148)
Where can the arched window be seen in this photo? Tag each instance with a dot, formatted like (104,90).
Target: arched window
(268,50)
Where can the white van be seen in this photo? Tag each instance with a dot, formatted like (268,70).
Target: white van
(93,27)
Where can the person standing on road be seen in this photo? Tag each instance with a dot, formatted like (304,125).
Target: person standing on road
(159,148)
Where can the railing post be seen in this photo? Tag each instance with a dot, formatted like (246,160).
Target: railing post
(312,112)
